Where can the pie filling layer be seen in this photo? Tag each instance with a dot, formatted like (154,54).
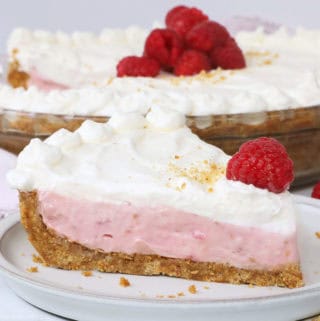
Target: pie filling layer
(44,84)
(165,231)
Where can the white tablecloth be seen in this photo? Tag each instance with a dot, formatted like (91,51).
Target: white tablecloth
(13,308)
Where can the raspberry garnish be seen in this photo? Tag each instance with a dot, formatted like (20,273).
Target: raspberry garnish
(207,35)
(190,44)
(191,62)
(182,20)
(264,163)
(171,13)
(228,56)
(316,191)
(165,46)
(138,67)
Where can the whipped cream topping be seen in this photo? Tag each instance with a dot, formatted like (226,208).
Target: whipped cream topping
(148,161)
(282,72)
(77,59)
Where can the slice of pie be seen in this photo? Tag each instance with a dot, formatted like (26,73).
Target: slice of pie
(143,195)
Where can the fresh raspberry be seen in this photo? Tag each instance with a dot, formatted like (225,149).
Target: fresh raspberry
(191,62)
(170,15)
(228,56)
(165,46)
(207,35)
(138,67)
(266,142)
(316,191)
(185,19)
(264,163)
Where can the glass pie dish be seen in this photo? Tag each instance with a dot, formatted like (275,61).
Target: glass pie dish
(298,129)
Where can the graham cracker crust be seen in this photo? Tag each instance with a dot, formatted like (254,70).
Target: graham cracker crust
(15,77)
(59,252)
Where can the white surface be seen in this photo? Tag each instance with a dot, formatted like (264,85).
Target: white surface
(73,295)
(15,309)
(9,197)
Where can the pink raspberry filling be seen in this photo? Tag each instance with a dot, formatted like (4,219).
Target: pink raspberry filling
(44,84)
(165,231)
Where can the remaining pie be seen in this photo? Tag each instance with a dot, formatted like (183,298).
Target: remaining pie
(277,94)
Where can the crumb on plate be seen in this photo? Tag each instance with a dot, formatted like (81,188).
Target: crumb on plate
(124,282)
(317,234)
(192,289)
(86,273)
(33,269)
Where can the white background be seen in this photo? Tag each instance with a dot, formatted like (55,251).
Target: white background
(93,15)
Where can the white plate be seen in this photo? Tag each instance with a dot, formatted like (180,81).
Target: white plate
(99,297)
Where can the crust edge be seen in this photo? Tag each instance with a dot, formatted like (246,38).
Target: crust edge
(15,77)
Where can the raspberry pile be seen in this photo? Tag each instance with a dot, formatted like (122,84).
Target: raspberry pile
(189,44)
(264,163)
(316,191)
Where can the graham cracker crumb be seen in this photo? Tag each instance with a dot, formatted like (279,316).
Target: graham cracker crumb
(86,273)
(37,259)
(180,294)
(192,289)
(317,234)
(15,51)
(159,296)
(124,282)
(110,80)
(171,296)
(176,156)
(209,174)
(206,287)
(33,269)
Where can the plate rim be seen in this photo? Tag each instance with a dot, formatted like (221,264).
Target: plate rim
(12,220)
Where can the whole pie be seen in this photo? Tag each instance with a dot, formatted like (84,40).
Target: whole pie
(69,78)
